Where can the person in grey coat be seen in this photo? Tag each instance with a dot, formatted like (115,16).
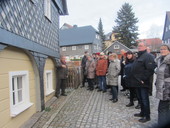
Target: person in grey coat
(112,75)
(163,85)
(63,75)
(90,69)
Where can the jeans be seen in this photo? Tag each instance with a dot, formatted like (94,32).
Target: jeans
(102,82)
(143,96)
(114,92)
(163,112)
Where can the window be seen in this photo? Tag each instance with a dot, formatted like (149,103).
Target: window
(49,82)
(94,47)
(19,92)
(73,47)
(97,36)
(47,9)
(63,48)
(86,47)
(97,47)
(116,46)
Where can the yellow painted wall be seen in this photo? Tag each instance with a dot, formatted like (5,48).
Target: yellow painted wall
(108,43)
(13,59)
(113,37)
(49,65)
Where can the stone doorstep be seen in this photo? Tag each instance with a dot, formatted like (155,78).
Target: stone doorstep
(35,117)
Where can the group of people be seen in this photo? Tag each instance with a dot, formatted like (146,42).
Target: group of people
(136,72)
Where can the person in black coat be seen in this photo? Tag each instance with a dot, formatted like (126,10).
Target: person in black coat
(143,67)
(151,78)
(122,64)
(127,76)
(83,66)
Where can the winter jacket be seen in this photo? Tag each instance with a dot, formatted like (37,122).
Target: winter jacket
(142,68)
(63,72)
(113,73)
(83,63)
(90,68)
(128,73)
(122,64)
(163,78)
(101,67)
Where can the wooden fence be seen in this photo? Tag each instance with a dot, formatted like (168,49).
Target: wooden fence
(74,77)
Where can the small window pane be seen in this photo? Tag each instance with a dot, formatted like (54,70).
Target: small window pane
(19,81)
(13,84)
(19,95)
(17,91)
(13,98)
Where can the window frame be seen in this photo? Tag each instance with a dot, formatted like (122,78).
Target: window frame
(97,36)
(16,109)
(49,88)
(86,47)
(64,49)
(116,47)
(73,48)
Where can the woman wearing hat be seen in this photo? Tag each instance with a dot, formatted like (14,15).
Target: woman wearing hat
(163,85)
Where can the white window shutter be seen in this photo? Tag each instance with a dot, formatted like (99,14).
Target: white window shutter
(49,9)
(45,8)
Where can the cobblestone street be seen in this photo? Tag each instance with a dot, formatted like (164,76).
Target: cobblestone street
(92,109)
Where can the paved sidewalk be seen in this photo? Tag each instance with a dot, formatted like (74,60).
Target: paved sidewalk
(92,109)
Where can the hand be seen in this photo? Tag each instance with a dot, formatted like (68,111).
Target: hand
(63,66)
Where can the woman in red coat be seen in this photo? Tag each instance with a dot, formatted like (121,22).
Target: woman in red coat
(101,69)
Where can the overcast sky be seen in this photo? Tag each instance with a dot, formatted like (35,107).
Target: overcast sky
(151,14)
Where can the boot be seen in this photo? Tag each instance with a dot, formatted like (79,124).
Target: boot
(138,106)
(130,104)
